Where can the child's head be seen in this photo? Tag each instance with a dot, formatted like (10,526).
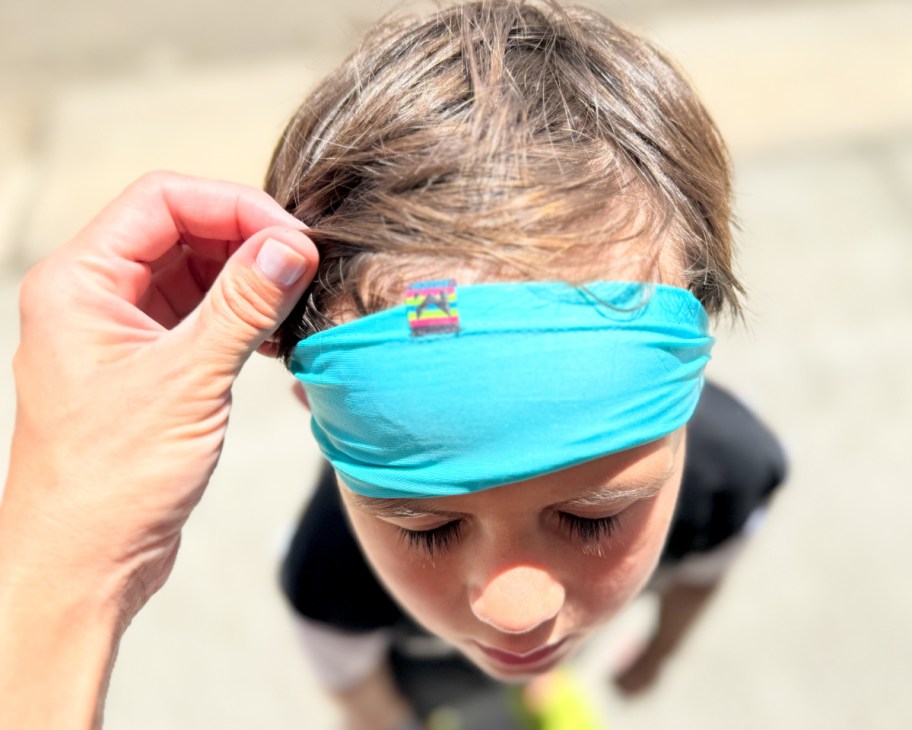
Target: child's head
(507,141)
(510,141)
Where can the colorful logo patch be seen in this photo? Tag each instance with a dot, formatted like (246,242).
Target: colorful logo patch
(432,307)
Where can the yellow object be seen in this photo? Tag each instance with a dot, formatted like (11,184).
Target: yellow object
(558,702)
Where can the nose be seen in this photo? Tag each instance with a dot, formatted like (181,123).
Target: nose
(519,600)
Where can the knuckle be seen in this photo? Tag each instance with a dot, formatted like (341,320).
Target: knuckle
(250,307)
(156,178)
(33,290)
(18,364)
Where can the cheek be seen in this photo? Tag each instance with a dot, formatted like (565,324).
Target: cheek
(609,583)
(431,591)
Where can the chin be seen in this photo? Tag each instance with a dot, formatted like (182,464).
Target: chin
(517,676)
(510,676)
(518,673)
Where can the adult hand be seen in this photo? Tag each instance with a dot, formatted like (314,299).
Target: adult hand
(132,335)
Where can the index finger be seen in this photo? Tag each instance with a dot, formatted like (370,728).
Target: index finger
(162,208)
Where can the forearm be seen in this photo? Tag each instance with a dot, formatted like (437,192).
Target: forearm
(58,638)
(374,703)
(680,606)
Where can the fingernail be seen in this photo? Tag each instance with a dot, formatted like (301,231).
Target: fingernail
(279,263)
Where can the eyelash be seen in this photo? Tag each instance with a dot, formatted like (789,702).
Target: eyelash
(588,530)
(433,541)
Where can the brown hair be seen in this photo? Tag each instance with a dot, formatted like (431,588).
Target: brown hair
(520,140)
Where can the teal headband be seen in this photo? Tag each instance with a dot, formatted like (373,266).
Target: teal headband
(460,390)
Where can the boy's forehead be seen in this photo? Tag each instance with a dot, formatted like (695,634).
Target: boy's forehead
(386,279)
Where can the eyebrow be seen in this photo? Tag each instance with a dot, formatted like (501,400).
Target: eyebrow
(403,507)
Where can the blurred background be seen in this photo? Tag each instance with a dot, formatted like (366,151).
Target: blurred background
(813,628)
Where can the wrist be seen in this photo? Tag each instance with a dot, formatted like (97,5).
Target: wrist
(59,633)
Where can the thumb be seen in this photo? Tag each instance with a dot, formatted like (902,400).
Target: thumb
(253,294)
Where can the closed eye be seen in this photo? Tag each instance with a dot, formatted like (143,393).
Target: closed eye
(435,540)
(587,529)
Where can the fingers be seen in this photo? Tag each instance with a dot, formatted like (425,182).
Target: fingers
(139,229)
(251,297)
(219,265)
(162,207)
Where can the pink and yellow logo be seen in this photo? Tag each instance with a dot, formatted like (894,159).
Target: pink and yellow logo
(432,307)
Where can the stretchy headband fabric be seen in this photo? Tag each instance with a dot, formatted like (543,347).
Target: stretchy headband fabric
(460,390)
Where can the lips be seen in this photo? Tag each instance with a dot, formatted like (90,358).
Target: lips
(528,660)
